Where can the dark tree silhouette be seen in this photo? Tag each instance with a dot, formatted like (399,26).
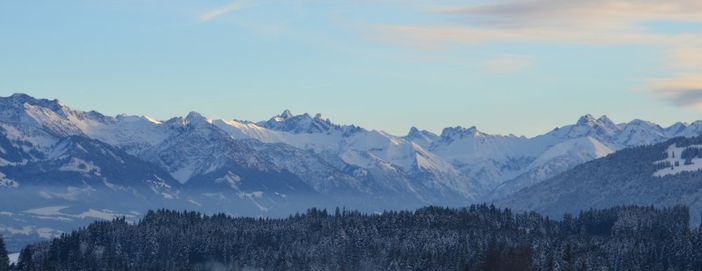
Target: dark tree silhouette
(4,259)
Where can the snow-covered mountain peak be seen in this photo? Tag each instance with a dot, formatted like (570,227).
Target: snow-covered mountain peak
(19,101)
(21,98)
(677,128)
(641,132)
(306,124)
(605,121)
(134,119)
(689,130)
(587,120)
(297,124)
(460,132)
(287,114)
(319,116)
(600,128)
(421,137)
(195,117)
(643,123)
(415,132)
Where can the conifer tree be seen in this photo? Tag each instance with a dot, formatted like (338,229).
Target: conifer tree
(4,259)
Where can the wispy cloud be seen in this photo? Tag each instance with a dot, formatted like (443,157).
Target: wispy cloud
(596,22)
(588,22)
(685,90)
(602,14)
(222,10)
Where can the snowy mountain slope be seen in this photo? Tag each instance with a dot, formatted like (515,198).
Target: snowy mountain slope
(88,177)
(488,158)
(391,158)
(553,161)
(131,133)
(422,138)
(645,175)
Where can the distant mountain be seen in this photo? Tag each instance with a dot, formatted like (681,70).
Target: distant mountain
(60,166)
(664,174)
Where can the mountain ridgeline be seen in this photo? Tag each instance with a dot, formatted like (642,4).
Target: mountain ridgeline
(61,168)
(480,237)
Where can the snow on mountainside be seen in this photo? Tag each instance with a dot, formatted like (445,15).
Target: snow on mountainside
(663,174)
(679,160)
(125,164)
(391,158)
(422,138)
(553,161)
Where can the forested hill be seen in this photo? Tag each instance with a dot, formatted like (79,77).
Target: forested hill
(664,174)
(476,238)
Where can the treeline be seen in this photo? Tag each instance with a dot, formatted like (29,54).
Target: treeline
(479,237)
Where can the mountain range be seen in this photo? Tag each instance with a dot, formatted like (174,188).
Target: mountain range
(61,167)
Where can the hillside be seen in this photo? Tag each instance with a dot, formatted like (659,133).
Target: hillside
(664,174)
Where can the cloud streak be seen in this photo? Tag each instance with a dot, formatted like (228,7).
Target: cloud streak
(685,90)
(221,11)
(596,22)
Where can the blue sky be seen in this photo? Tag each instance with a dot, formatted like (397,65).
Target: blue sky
(506,66)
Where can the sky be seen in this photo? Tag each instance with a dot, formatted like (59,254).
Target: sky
(506,66)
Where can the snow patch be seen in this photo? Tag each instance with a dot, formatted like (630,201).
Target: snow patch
(56,211)
(675,163)
(252,197)
(183,174)
(194,202)
(78,165)
(26,230)
(72,193)
(231,179)
(46,211)
(14,258)
(102,214)
(7,182)
(48,233)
